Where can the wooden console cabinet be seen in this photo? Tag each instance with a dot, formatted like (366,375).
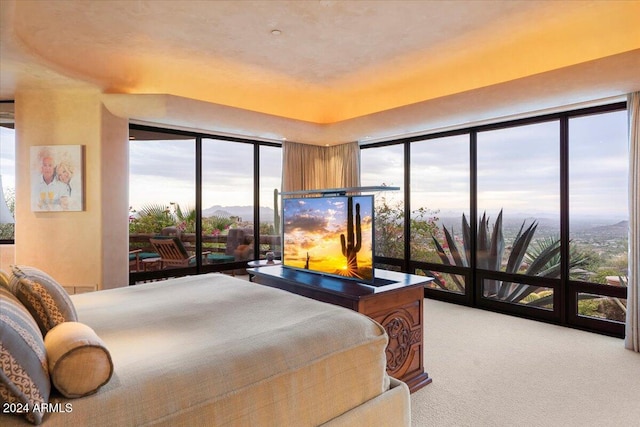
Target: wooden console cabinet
(395,301)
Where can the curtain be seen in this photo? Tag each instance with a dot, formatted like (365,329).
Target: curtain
(301,166)
(342,166)
(311,167)
(632,340)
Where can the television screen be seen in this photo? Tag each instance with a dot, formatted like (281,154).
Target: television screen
(330,235)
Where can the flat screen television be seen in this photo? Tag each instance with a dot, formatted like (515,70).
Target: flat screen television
(330,235)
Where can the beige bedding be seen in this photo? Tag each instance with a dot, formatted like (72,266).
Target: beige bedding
(215,350)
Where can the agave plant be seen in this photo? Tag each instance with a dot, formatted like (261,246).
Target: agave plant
(576,257)
(542,261)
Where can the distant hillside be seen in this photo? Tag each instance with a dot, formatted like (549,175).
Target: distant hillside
(619,229)
(244,212)
(581,228)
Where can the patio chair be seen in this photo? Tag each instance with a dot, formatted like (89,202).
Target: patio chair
(138,258)
(134,259)
(172,252)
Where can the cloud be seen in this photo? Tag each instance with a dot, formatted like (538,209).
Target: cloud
(306,221)
(164,171)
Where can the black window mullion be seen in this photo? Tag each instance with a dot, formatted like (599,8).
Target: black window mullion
(474,288)
(199,204)
(407,206)
(256,201)
(561,297)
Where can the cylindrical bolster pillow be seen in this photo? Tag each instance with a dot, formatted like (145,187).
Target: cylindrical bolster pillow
(79,362)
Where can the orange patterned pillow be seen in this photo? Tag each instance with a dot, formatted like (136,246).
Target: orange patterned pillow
(46,299)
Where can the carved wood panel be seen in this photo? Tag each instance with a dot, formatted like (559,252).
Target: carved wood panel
(402,321)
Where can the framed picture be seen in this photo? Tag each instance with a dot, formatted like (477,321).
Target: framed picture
(57,177)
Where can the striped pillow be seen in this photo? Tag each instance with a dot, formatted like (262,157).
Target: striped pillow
(46,299)
(24,374)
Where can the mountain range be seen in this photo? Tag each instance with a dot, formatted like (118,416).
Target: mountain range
(245,213)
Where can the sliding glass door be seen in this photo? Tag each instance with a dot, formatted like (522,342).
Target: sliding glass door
(203,190)
(162,195)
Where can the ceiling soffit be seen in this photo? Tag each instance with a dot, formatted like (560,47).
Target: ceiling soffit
(339,72)
(333,62)
(534,95)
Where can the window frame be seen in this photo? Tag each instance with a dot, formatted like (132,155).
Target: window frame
(12,102)
(565,290)
(199,268)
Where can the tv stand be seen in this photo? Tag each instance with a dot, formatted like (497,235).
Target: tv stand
(395,301)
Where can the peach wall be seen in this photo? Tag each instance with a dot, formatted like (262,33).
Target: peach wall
(114,200)
(7,257)
(76,248)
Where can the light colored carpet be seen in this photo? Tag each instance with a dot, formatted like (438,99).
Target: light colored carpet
(491,369)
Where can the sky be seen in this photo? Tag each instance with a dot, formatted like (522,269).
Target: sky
(518,170)
(164,172)
(7,158)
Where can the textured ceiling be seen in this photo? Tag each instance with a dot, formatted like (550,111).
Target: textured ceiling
(335,64)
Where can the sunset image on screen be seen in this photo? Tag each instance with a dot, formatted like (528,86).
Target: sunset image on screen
(318,236)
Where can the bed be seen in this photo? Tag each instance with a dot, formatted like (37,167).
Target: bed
(220,351)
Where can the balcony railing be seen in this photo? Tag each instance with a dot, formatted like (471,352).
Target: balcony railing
(237,243)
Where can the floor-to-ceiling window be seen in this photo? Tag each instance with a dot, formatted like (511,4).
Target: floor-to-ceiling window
(270,178)
(384,166)
(518,206)
(439,177)
(162,196)
(204,190)
(598,216)
(227,200)
(526,217)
